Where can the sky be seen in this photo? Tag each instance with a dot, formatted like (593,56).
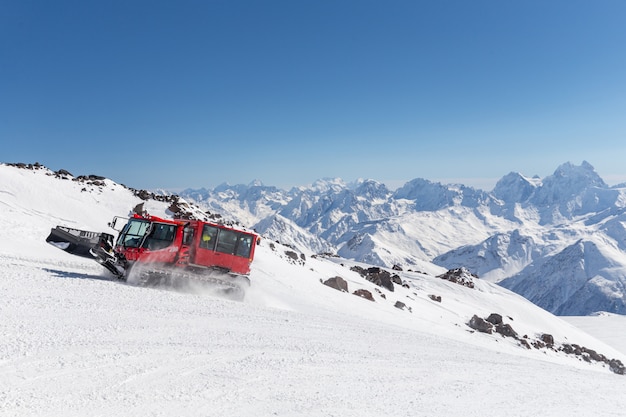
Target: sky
(160,94)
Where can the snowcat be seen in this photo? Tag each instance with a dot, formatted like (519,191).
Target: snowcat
(153,251)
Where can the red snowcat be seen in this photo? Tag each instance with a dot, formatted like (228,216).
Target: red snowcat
(153,251)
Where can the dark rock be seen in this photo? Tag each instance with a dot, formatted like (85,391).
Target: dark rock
(592,354)
(538,344)
(174,208)
(295,258)
(459,276)
(144,195)
(396,268)
(337,283)
(495,319)
(506,330)
(617,366)
(292,255)
(596,356)
(138,209)
(434,297)
(377,276)
(400,305)
(480,325)
(364,294)
(547,339)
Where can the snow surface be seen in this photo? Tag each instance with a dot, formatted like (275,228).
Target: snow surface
(74,342)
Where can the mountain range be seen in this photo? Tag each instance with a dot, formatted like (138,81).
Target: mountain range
(559,241)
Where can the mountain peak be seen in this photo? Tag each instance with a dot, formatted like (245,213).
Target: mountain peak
(567,182)
(256,183)
(514,187)
(584,171)
(328,184)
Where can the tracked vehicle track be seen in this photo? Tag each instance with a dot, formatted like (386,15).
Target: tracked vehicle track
(215,281)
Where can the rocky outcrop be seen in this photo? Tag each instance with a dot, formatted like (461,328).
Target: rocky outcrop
(379,276)
(459,276)
(543,341)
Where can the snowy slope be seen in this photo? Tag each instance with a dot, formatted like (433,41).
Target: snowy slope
(75,342)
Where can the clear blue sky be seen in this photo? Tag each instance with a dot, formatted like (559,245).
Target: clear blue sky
(196,93)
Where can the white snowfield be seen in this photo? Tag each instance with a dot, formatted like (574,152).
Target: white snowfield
(75,342)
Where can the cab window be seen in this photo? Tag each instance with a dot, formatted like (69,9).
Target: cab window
(244,244)
(132,233)
(226,241)
(161,236)
(209,237)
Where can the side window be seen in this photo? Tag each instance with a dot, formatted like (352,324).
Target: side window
(162,236)
(226,242)
(209,237)
(244,244)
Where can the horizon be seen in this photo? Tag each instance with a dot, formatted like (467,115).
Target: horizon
(392,185)
(197,94)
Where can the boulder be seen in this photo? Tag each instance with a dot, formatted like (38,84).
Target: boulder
(617,366)
(495,319)
(506,330)
(547,339)
(480,325)
(364,294)
(337,283)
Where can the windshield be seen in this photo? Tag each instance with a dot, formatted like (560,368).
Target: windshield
(132,233)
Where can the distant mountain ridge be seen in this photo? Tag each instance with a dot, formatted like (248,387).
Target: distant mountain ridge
(514,234)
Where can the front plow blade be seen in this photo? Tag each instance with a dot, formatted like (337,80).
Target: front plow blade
(75,241)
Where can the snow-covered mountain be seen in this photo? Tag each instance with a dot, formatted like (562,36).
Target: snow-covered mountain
(509,232)
(394,342)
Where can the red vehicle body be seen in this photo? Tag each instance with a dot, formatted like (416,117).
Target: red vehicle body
(189,244)
(168,251)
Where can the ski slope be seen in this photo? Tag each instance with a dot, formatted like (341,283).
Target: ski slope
(74,342)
